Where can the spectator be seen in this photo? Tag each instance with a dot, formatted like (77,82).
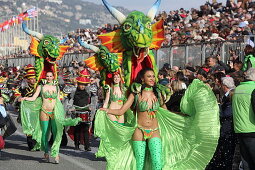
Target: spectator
(249,60)
(224,153)
(162,74)
(238,74)
(244,118)
(173,104)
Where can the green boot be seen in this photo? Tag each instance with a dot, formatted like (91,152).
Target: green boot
(155,148)
(139,151)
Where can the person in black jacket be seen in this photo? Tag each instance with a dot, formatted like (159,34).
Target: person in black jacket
(81,103)
(173,104)
(28,91)
(223,156)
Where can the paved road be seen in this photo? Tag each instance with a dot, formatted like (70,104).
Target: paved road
(16,157)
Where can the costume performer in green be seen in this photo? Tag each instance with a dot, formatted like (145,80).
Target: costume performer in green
(173,141)
(43,110)
(152,138)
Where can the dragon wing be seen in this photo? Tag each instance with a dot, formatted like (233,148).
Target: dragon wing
(33,47)
(158,34)
(94,63)
(62,51)
(112,41)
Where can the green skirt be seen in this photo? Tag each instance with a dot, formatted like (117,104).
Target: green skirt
(30,119)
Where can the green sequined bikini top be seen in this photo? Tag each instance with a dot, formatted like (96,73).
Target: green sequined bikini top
(143,106)
(48,95)
(116,98)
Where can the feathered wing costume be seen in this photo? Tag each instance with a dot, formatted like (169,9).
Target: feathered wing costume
(187,142)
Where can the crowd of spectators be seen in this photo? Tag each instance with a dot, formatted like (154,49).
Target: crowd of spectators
(87,35)
(212,22)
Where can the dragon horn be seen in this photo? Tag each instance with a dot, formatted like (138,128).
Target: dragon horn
(152,12)
(33,33)
(91,47)
(115,13)
(63,40)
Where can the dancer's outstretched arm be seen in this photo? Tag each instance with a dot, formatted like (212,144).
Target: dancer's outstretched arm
(123,109)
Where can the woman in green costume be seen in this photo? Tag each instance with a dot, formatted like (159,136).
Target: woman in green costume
(158,139)
(51,116)
(115,96)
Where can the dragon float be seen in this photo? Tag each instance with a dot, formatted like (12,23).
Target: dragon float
(47,50)
(131,45)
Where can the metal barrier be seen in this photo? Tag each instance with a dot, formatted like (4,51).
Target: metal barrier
(65,61)
(177,55)
(195,54)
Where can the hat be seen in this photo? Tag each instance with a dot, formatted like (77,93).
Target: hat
(242,24)
(30,71)
(83,77)
(29,66)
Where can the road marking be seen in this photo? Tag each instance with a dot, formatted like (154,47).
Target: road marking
(65,157)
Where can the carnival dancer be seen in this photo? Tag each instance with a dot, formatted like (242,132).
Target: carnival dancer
(115,96)
(173,141)
(28,91)
(48,109)
(81,104)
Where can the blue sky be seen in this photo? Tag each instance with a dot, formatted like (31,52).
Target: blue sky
(144,5)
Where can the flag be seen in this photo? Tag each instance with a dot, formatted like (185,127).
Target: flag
(23,17)
(12,21)
(1,27)
(5,25)
(32,12)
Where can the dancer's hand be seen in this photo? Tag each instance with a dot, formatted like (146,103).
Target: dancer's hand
(154,99)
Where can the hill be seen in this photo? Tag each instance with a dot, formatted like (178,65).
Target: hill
(61,16)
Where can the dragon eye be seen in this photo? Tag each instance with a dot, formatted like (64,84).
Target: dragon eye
(127,27)
(46,42)
(148,25)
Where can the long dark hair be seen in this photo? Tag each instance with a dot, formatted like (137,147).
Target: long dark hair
(139,80)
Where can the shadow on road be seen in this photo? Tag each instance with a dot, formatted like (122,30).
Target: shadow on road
(9,156)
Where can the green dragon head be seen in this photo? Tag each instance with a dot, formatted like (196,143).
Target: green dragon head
(49,48)
(136,31)
(108,60)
